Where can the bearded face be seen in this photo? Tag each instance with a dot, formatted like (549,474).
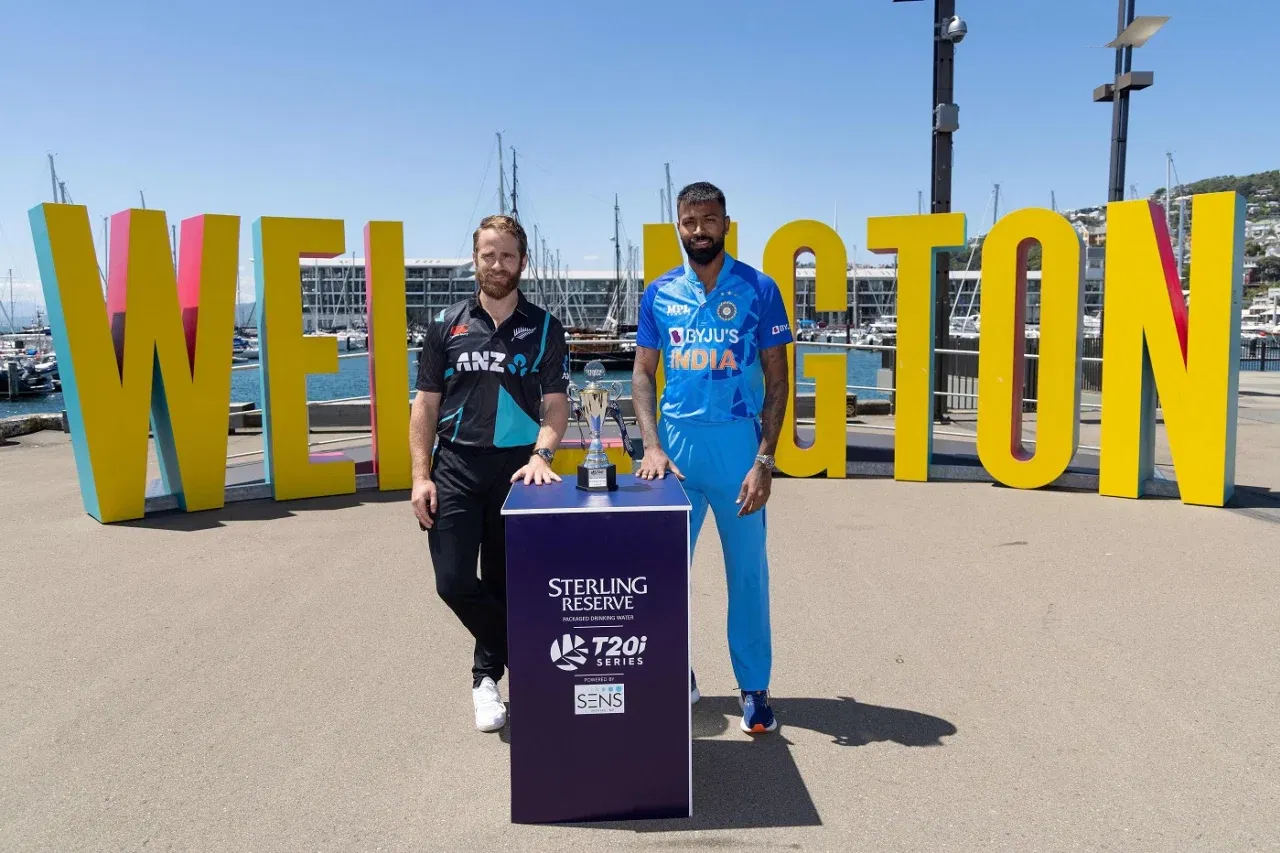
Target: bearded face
(499,263)
(497,283)
(702,228)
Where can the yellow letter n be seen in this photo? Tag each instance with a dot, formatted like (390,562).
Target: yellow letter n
(1151,344)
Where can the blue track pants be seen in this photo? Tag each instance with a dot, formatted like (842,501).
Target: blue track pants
(714,459)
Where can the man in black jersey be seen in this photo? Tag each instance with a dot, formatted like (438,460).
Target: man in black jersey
(492,397)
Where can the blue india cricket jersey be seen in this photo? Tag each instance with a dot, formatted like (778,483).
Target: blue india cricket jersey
(710,342)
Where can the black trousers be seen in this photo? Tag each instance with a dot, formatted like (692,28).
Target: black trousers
(471,487)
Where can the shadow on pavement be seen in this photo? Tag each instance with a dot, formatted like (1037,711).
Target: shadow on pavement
(265,509)
(752,782)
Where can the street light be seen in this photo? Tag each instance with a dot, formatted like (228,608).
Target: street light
(1131,32)
(948,31)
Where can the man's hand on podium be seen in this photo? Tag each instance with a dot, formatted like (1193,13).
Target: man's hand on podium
(537,472)
(423,499)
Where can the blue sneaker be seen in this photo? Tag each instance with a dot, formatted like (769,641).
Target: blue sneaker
(694,694)
(757,716)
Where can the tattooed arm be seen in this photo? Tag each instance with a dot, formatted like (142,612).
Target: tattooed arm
(758,484)
(777,388)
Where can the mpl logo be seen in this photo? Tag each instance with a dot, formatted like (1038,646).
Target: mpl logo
(678,309)
(569,652)
(599,699)
(472,361)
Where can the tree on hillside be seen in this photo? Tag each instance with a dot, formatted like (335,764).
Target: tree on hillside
(1268,269)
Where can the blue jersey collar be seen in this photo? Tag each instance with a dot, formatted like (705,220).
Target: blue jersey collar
(725,271)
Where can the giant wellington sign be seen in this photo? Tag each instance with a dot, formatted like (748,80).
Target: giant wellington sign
(156,350)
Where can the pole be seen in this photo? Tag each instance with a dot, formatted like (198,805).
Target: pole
(53,178)
(514,209)
(502,179)
(173,241)
(943,79)
(995,206)
(919,201)
(671,211)
(143,199)
(662,203)
(1120,106)
(1182,234)
(1168,190)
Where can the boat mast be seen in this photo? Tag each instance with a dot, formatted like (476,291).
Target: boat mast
(671,213)
(502,179)
(515,214)
(617,264)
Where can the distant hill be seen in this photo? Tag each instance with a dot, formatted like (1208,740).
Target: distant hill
(1262,186)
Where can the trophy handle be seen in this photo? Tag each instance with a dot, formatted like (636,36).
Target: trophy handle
(615,412)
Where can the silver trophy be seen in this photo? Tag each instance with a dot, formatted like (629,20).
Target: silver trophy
(594,404)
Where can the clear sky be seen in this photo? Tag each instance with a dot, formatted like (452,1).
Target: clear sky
(387,110)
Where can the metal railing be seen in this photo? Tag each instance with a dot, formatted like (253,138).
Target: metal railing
(967,392)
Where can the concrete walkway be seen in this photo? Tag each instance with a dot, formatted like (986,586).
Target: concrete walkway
(959,667)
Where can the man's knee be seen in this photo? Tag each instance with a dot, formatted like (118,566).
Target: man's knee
(457,585)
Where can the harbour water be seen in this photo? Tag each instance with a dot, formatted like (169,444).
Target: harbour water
(352,380)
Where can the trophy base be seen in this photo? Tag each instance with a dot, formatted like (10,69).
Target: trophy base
(598,479)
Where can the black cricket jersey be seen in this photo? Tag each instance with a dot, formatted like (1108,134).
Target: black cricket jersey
(491,381)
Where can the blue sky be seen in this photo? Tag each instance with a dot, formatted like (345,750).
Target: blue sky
(380,110)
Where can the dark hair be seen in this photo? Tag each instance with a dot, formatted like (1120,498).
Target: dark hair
(700,193)
(503,224)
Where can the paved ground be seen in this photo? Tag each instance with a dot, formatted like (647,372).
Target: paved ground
(959,667)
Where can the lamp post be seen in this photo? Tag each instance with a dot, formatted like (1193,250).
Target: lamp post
(948,31)
(1131,32)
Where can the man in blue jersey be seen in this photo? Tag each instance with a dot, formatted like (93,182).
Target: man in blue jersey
(721,330)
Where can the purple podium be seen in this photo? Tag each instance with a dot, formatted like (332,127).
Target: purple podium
(598,651)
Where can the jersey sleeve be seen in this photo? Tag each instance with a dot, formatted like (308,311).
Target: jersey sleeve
(432,359)
(775,325)
(647,324)
(554,369)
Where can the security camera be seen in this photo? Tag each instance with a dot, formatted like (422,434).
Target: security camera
(954,29)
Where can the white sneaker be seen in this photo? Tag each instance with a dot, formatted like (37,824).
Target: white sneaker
(491,714)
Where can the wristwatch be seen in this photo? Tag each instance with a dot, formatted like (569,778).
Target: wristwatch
(546,453)
(766,460)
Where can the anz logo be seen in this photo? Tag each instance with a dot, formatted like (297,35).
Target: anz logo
(678,309)
(490,361)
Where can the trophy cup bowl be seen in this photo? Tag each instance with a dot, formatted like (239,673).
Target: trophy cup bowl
(596,473)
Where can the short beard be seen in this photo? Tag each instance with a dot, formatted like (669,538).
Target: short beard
(495,288)
(702,257)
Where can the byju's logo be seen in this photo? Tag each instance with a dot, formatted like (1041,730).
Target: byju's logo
(678,309)
(779,329)
(569,652)
(677,337)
